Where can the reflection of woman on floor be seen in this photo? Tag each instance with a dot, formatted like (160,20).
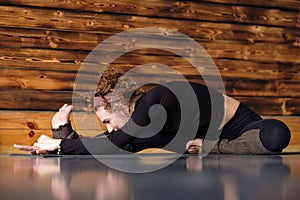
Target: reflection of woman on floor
(125,114)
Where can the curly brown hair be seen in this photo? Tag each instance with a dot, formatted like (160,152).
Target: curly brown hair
(126,91)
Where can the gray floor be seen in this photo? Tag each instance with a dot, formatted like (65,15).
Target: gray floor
(228,177)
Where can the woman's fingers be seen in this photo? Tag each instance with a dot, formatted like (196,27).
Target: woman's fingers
(194,149)
(66,107)
(62,117)
(26,148)
(196,142)
(40,148)
(69,108)
(194,146)
(41,151)
(63,107)
(188,144)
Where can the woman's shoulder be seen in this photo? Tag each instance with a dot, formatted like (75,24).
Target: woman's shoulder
(168,88)
(176,84)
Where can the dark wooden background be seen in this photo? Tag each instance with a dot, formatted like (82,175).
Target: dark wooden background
(254,43)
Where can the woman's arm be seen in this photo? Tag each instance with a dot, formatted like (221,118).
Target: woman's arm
(114,142)
(109,144)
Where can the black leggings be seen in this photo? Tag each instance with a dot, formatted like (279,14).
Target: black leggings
(274,134)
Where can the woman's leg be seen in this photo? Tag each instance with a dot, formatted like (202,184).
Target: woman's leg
(265,136)
(274,134)
(248,143)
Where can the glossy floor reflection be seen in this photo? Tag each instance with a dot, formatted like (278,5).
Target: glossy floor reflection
(228,177)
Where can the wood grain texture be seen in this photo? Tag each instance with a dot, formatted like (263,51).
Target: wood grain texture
(204,31)
(41,120)
(236,81)
(25,127)
(229,67)
(25,137)
(39,100)
(254,44)
(175,9)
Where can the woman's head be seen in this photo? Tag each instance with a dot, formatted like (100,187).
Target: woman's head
(113,88)
(114,95)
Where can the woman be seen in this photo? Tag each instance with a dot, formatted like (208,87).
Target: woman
(129,116)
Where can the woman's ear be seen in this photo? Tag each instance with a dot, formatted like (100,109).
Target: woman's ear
(124,110)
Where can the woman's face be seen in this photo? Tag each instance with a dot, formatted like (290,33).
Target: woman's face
(112,121)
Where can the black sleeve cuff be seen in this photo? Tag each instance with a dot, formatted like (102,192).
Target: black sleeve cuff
(64,132)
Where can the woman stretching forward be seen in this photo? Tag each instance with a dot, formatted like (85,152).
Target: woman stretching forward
(137,120)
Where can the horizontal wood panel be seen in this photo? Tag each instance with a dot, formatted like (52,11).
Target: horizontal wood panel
(130,6)
(257,52)
(11,78)
(258,70)
(53,60)
(36,79)
(185,10)
(26,137)
(292,148)
(25,127)
(288,5)
(52,100)
(26,120)
(228,69)
(204,31)
(261,88)
(272,106)
(240,80)
(30,56)
(34,99)
(41,120)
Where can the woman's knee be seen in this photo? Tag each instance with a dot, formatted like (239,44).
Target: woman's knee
(274,134)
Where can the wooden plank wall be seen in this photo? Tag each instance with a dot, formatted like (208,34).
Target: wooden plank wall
(254,43)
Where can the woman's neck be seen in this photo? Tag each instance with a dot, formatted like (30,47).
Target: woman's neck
(133,103)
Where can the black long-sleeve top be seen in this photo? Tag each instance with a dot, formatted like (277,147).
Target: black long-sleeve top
(179,109)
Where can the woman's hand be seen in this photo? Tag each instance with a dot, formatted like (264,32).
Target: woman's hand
(47,143)
(194,146)
(62,117)
(42,146)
